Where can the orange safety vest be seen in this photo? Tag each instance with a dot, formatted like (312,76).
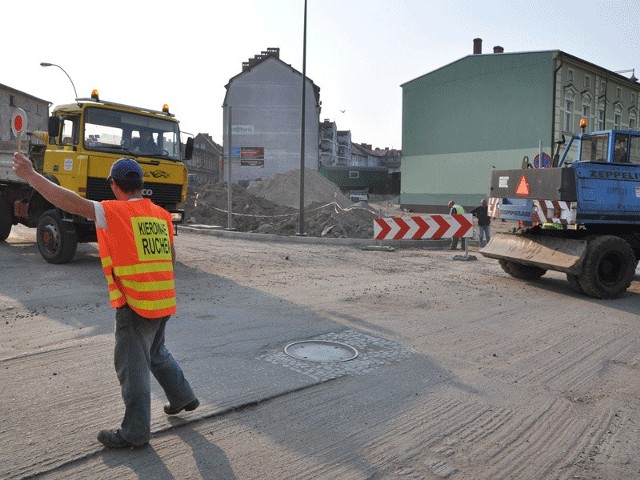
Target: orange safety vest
(136,254)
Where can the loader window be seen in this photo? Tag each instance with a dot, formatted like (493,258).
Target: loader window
(593,148)
(621,149)
(634,150)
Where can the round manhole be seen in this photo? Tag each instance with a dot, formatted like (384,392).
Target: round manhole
(321,351)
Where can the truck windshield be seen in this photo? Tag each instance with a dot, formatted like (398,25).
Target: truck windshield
(110,130)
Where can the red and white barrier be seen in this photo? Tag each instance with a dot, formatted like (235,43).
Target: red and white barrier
(425,227)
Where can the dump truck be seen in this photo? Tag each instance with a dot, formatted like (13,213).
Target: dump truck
(82,141)
(580,215)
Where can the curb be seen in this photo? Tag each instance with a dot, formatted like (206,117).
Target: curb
(270,237)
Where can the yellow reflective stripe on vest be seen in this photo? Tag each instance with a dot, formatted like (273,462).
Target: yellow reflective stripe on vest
(147,286)
(106,262)
(151,304)
(115,294)
(114,291)
(127,270)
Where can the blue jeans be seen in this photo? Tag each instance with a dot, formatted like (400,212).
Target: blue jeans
(483,235)
(139,350)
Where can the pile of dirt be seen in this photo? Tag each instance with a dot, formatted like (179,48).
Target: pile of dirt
(284,189)
(271,207)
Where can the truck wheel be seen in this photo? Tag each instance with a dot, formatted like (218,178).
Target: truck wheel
(57,240)
(521,271)
(6,219)
(608,268)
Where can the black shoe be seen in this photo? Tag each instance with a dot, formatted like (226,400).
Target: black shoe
(171,410)
(113,439)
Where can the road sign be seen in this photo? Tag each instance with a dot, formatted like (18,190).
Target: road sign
(542,161)
(19,124)
(424,227)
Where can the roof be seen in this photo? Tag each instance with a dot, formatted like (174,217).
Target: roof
(208,139)
(269,55)
(6,87)
(553,53)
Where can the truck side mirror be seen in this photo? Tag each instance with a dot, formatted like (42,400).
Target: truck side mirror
(54,129)
(188,149)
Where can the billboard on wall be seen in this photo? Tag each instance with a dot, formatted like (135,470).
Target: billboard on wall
(252,156)
(249,156)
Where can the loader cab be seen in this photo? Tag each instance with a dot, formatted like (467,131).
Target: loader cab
(607,146)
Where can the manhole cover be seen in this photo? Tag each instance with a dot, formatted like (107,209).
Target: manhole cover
(321,351)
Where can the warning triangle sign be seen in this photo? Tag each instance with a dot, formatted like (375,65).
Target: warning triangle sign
(523,188)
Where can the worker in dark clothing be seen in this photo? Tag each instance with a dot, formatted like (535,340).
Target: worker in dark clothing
(484,222)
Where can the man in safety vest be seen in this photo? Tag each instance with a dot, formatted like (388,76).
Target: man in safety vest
(454,208)
(135,240)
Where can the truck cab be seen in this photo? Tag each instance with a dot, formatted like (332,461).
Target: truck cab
(82,142)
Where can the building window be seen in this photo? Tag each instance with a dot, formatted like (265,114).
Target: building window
(616,121)
(601,120)
(632,123)
(568,116)
(12,101)
(586,112)
(618,92)
(633,99)
(587,81)
(354,174)
(570,76)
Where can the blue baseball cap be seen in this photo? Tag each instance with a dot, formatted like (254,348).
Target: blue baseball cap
(125,168)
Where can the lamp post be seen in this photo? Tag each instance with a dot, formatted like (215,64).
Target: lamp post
(45,64)
(302,126)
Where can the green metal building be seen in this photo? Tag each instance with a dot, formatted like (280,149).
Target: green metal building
(489,111)
(370,179)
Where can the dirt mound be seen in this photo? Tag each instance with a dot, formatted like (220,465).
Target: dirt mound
(284,189)
(271,207)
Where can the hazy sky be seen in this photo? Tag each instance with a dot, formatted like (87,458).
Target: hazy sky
(359,52)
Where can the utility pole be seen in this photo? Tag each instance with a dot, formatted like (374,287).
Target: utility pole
(302,126)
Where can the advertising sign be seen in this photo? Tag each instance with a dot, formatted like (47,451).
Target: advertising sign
(252,156)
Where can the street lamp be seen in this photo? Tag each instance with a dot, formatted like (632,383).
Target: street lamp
(45,64)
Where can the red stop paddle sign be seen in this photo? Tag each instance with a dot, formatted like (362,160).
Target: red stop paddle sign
(18,121)
(19,125)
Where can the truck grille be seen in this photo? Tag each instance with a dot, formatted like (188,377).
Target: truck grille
(164,194)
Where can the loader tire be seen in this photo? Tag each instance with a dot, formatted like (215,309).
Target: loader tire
(608,268)
(56,238)
(574,283)
(521,271)
(6,219)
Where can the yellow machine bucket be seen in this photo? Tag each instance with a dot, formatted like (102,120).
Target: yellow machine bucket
(550,253)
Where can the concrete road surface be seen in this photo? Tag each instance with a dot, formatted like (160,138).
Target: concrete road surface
(462,372)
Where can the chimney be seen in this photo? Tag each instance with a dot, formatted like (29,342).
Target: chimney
(498,49)
(477,46)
